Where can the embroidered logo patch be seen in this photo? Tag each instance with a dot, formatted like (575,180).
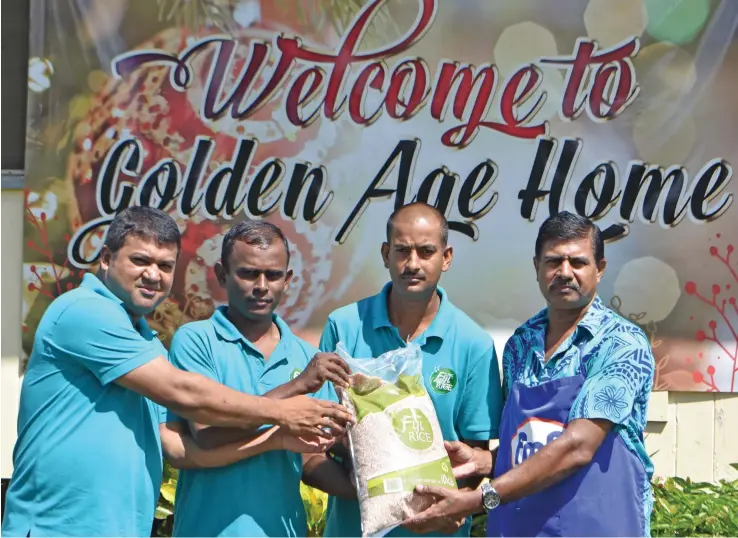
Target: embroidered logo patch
(443,380)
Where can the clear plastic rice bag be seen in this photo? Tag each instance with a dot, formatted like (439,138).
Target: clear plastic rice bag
(396,442)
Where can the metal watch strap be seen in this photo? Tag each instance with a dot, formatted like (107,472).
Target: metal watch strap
(490,497)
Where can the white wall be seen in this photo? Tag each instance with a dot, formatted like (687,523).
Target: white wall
(692,434)
(11,235)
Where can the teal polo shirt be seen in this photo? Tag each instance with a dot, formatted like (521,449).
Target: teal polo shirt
(259,496)
(460,371)
(88,460)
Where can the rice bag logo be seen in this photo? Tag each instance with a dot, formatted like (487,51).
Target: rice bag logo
(295,373)
(531,436)
(443,380)
(413,428)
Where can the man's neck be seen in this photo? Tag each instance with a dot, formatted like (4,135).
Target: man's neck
(253,331)
(563,322)
(412,316)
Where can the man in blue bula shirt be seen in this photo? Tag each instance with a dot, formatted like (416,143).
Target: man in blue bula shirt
(577,378)
(460,366)
(253,487)
(88,459)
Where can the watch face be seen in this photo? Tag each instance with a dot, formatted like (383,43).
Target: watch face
(490,498)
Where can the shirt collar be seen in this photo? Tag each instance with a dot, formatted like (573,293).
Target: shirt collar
(225,328)
(92,283)
(437,328)
(591,321)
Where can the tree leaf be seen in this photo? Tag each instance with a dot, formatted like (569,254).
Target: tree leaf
(168,491)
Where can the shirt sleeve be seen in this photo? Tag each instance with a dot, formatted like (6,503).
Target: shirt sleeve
(189,352)
(508,361)
(329,338)
(166,415)
(481,406)
(616,377)
(100,336)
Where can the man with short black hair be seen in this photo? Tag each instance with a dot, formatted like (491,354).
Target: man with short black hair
(577,379)
(460,367)
(248,347)
(88,459)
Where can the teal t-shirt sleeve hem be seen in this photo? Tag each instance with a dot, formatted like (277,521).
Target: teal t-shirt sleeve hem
(479,436)
(129,365)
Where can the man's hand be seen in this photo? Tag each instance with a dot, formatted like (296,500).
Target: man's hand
(462,459)
(321,368)
(302,444)
(450,508)
(306,416)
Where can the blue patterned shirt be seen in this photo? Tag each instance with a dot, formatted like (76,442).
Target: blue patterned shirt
(619,369)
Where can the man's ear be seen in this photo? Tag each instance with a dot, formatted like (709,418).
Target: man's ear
(601,269)
(288,278)
(220,273)
(448,256)
(535,265)
(385,254)
(105,256)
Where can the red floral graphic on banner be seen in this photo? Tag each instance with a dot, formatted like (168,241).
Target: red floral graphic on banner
(722,331)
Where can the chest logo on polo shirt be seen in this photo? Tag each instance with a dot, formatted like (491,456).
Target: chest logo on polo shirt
(443,380)
(295,373)
(531,436)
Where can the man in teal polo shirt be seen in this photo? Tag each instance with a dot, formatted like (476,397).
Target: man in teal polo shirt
(247,347)
(459,362)
(88,459)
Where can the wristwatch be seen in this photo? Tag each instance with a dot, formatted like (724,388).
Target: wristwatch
(490,497)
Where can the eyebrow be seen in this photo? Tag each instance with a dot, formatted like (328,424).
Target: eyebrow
(422,245)
(581,259)
(145,256)
(257,270)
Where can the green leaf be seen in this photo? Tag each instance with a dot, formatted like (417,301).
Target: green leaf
(162,513)
(168,491)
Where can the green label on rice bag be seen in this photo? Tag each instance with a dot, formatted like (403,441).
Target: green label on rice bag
(433,473)
(413,428)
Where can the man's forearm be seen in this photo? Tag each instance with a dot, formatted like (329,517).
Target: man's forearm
(321,472)
(550,465)
(202,400)
(183,452)
(210,437)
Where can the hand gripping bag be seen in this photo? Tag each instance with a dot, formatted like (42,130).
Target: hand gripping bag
(396,442)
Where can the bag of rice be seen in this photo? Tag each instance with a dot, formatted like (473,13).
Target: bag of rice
(396,442)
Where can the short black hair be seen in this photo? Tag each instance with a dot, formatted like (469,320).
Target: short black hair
(146,222)
(252,232)
(434,210)
(565,226)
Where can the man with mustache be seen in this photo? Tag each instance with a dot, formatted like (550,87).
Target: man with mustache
(88,459)
(460,366)
(577,379)
(239,482)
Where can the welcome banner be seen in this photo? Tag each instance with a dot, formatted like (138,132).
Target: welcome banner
(322,116)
